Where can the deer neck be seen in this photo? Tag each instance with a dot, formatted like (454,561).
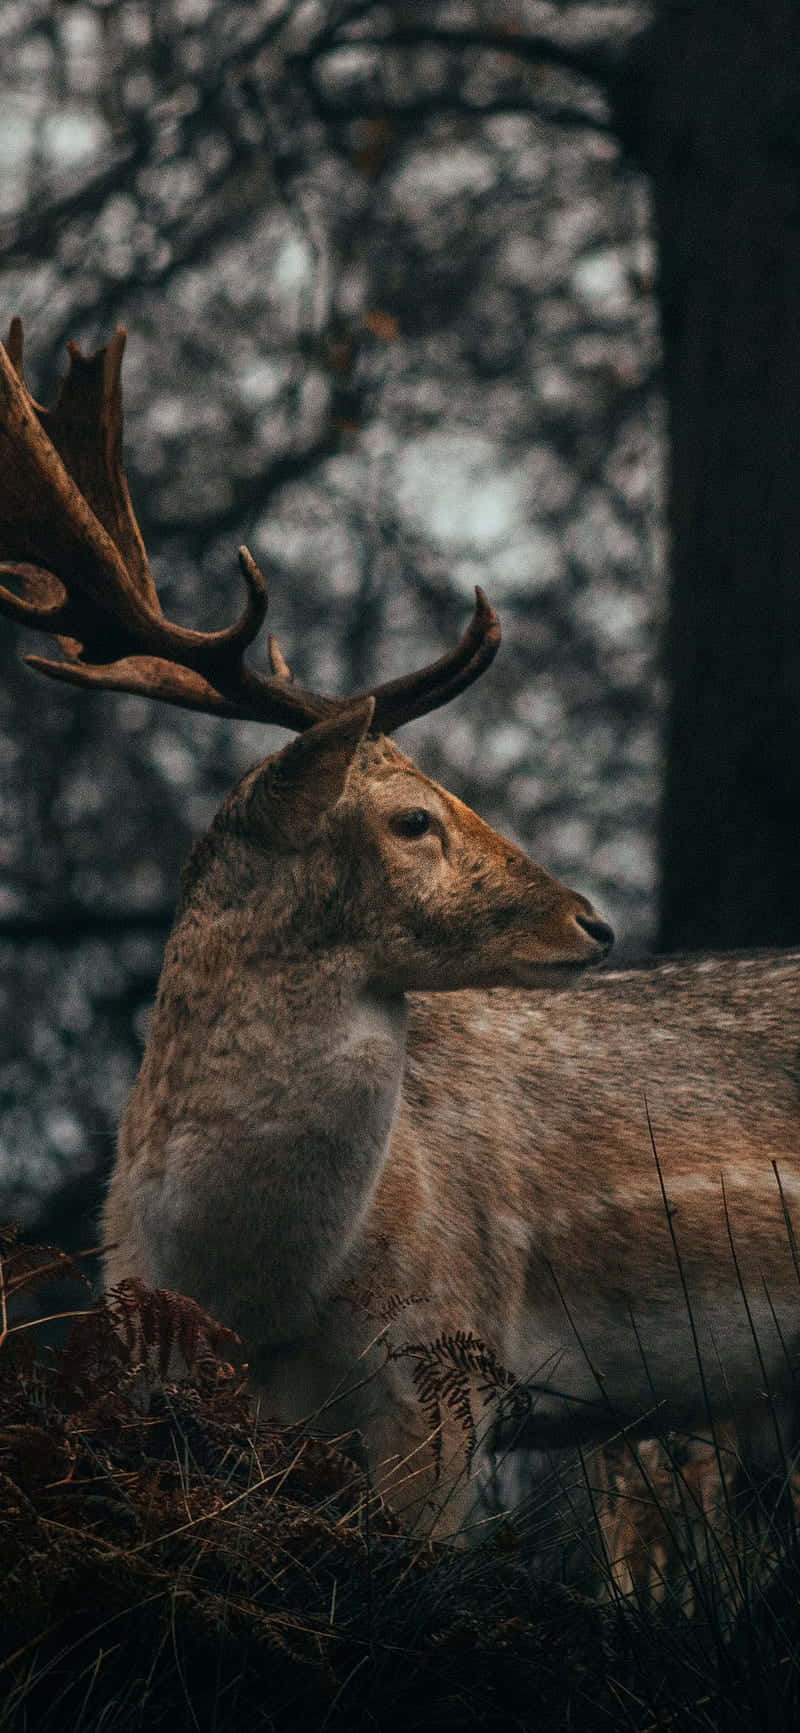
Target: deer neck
(273,1131)
(330,1054)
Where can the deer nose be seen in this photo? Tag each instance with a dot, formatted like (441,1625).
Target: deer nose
(598,929)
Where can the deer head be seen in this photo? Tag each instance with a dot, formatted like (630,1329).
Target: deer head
(338,839)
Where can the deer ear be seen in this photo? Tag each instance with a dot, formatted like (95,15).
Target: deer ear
(290,798)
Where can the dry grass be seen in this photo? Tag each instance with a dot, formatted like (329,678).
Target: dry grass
(169,1560)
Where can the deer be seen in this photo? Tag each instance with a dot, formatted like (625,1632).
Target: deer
(363,1073)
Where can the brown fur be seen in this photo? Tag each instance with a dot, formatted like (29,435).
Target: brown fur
(310,1111)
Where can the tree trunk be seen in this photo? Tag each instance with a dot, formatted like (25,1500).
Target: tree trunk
(711,103)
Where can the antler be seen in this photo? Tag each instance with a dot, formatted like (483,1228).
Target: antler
(70,543)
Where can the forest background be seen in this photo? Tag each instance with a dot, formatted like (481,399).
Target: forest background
(397,281)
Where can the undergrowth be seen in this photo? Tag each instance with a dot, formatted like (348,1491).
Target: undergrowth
(170,1559)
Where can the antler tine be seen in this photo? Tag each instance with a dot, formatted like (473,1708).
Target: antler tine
(277,660)
(399,701)
(229,689)
(70,543)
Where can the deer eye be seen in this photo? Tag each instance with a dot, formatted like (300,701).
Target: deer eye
(412,823)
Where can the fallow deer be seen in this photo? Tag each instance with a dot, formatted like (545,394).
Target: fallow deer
(357,1063)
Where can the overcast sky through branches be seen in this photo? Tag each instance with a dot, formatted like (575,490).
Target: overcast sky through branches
(388,282)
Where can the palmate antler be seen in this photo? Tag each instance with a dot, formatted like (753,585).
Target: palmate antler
(71,546)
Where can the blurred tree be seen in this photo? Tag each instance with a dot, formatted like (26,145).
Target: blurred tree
(706,97)
(710,101)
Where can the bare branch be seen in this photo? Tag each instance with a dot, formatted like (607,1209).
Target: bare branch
(440,103)
(597,64)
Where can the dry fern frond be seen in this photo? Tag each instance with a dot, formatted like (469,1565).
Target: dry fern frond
(445,1372)
(367,1294)
(381,1308)
(134,1332)
(24,1269)
(159,1327)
